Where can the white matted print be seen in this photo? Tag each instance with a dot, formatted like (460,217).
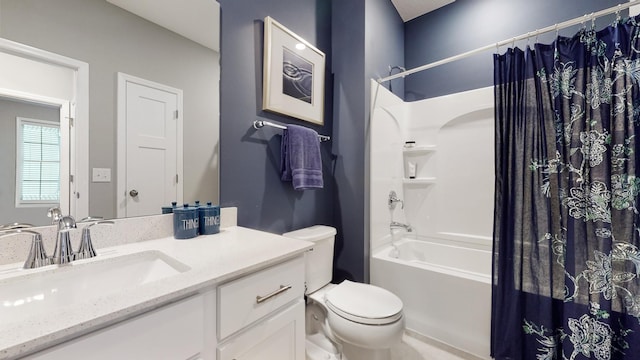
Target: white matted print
(293,82)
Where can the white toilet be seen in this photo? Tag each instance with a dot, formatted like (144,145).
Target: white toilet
(360,321)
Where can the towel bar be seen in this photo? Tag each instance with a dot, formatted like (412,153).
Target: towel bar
(261,123)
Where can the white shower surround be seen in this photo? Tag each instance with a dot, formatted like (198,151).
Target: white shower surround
(455,208)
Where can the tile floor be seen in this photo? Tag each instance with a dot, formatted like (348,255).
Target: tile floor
(414,347)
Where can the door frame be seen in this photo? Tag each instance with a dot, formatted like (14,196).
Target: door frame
(121,186)
(78,165)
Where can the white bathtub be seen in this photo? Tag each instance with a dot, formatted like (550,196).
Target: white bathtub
(445,289)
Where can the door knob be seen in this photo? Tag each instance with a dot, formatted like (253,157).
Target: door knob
(133,193)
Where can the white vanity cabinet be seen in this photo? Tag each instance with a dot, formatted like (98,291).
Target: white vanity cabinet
(261,316)
(180,330)
(257,316)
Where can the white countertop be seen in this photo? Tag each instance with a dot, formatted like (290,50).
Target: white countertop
(213,259)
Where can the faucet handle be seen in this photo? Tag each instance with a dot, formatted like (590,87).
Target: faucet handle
(91,218)
(86,249)
(15,226)
(37,255)
(393,199)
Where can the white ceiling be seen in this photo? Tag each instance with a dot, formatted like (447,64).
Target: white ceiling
(197,20)
(410,9)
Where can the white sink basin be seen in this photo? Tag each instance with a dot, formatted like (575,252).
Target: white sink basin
(42,292)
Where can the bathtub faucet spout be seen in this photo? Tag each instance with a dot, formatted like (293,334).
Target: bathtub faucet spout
(395,224)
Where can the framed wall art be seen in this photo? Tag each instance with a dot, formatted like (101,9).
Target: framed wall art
(293,82)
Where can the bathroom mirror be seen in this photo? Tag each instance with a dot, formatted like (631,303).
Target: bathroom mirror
(114,41)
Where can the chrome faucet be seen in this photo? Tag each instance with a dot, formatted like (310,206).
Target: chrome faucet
(63,252)
(395,225)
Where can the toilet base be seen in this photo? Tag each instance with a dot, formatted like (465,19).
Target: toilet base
(316,349)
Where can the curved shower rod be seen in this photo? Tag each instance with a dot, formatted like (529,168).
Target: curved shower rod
(556,27)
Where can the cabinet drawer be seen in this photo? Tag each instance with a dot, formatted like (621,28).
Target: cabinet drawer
(243,301)
(175,331)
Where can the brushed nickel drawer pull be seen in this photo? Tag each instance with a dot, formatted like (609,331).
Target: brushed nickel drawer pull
(283,288)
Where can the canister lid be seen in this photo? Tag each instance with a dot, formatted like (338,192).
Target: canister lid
(184,208)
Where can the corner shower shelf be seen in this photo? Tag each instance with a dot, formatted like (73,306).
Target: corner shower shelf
(420,181)
(421,149)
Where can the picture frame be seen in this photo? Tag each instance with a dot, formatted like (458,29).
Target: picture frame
(293,77)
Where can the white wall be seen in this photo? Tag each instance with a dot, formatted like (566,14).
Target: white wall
(458,205)
(634,10)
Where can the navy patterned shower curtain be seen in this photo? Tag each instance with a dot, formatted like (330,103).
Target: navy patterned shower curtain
(566,272)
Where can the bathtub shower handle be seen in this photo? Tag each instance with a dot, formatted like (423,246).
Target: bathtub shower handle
(261,299)
(393,199)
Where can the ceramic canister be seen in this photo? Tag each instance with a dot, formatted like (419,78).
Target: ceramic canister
(167,209)
(209,219)
(185,222)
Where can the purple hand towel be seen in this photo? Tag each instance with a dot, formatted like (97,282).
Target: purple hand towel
(300,160)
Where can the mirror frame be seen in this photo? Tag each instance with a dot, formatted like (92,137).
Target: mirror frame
(76,171)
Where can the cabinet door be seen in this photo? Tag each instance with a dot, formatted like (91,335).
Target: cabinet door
(280,336)
(175,331)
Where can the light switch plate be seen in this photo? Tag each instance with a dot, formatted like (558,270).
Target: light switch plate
(101,175)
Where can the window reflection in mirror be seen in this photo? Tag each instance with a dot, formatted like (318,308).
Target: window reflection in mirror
(30,159)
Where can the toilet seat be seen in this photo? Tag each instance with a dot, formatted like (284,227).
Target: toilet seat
(364,303)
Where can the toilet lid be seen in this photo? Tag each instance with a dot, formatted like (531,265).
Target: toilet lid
(364,303)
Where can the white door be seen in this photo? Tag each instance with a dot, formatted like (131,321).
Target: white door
(152,169)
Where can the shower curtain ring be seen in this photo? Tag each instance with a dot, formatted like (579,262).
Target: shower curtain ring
(593,22)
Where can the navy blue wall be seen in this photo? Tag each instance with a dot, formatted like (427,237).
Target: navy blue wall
(384,39)
(367,38)
(469,24)
(349,113)
(250,159)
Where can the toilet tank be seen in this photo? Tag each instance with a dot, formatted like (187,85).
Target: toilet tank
(318,260)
